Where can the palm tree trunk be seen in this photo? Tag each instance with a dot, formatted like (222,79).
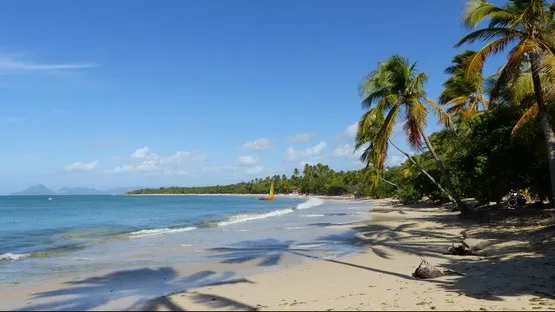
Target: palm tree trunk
(424,172)
(389,182)
(544,122)
(464,209)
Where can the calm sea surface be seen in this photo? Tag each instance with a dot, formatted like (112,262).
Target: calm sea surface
(85,235)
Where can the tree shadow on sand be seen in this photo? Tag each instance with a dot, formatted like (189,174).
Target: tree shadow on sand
(526,266)
(268,252)
(271,251)
(138,285)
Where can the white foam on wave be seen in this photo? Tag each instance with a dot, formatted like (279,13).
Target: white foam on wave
(296,227)
(312,202)
(11,256)
(154,232)
(249,217)
(313,215)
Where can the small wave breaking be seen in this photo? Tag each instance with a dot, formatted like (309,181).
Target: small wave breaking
(11,256)
(249,217)
(154,232)
(312,202)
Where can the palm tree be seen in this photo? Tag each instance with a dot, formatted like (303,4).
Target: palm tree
(368,128)
(396,90)
(464,95)
(529,24)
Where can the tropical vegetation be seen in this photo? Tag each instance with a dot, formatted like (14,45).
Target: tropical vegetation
(497,130)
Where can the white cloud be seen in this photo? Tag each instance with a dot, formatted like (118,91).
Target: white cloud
(254,170)
(145,161)
(347,150)
(396,160)
(293,155)
(301,137)
(81,167)
(182,156)
(247,160)
(258,144)
(351,131)
(9,62)
(123,169)
(343,151)
(144,153)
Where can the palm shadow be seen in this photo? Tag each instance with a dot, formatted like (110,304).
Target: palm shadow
(517,251)
(268,252)
(139,285)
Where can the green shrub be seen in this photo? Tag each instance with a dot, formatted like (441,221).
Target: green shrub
(407,194)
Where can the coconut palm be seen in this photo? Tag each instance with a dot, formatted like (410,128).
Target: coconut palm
(396,92)
(463,95)
(529,25)
(368,127)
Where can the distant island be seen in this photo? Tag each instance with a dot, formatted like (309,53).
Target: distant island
(40,189)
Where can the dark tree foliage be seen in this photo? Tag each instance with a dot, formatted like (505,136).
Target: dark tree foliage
(485,162)
(314,180)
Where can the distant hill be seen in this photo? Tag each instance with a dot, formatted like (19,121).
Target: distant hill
(38,189)
(43,190)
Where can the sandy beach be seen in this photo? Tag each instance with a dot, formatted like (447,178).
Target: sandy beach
(514,271)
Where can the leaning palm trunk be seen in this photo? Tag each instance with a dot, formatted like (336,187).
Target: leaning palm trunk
(544,122)
(424,172)
(389,182)
(464,209)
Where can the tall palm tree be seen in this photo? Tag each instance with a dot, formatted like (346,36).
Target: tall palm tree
(368,128)
(530,25)
(396,91)
(463,94)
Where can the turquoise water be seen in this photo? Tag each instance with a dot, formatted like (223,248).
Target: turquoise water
(117,252)
(122,237)
(34,225)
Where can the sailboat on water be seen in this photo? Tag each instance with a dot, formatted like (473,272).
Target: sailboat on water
(270,196)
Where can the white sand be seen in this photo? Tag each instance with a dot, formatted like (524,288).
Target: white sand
(517,273)
(513,276)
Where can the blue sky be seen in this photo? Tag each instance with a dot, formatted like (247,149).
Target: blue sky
(144,93)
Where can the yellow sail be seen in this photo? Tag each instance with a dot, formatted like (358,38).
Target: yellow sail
(270,195)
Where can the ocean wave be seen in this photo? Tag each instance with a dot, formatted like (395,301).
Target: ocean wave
(154,232)
(11,256)
(313,216)
(248,217)
(312,202)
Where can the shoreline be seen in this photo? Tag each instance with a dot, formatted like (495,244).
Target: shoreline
(396,240)
(156,265)
(330,197)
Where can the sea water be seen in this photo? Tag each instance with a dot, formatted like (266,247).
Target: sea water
(81,235)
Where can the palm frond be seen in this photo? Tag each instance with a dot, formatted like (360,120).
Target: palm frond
(415,119)
(476,62)
(478,10)
(487,34)
(444,118)
(526,117)
(382,137)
